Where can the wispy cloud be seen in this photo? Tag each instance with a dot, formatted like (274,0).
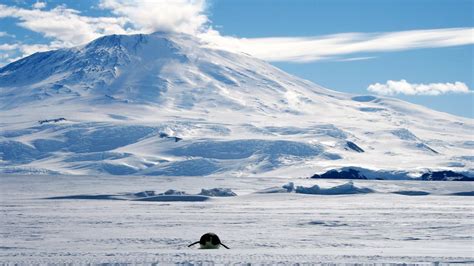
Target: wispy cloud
(307,49)
(361,58)
(6,34)
(403,87)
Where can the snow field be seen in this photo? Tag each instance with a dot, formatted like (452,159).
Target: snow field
(379,227)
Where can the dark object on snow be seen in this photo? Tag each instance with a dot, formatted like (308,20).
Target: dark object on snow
(465,193)
(411,193)
(445,176)
(351,145)
(426,147)
(209,241)
(343,174)
(164,135)
(52,120)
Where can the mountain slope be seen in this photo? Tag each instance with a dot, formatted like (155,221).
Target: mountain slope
(163,104)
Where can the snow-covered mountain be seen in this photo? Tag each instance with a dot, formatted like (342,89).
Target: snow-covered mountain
(165,104)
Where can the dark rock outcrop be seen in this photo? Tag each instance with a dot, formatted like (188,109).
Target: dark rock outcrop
(55,120)
(351,145)
(341,174)
(164,135)
(445,176)
(362,173)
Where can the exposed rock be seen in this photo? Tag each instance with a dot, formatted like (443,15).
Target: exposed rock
(447,175)
(351,145)
(341,174)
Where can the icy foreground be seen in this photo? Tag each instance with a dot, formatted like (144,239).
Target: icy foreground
(164,104)
(392,223)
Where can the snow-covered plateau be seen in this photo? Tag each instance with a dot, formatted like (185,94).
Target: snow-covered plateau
(167,104)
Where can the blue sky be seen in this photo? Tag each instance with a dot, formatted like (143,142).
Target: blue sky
(440,65)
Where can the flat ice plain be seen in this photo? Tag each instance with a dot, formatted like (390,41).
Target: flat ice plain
(425,223)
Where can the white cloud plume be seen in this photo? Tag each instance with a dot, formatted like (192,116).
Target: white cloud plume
(147,16)
(403,87)
(307,49)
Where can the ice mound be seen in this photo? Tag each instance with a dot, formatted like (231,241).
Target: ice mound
(347,188)
(272,190)
(168,195)
(175,198)
(287,188)
(173,192)
(150,195)
(217,192)
(175,195)
(142,194)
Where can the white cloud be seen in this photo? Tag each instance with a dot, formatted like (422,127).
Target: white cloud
(307,49)
(147,16)
(403,87)
(8,47)
(12,52)
(39,5)
(65,26)
(34,48)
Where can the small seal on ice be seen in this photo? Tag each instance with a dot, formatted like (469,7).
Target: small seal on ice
(209,241)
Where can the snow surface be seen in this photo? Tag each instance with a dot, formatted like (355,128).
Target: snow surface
(395,223)
(164,104)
